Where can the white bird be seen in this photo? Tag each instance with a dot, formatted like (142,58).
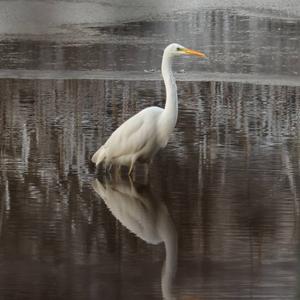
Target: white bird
(140,137)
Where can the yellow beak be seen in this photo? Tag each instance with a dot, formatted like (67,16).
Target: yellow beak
(194,52)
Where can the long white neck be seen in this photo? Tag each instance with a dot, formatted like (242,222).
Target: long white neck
(171,107)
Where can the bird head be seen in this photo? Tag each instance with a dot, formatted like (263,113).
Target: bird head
(176,50)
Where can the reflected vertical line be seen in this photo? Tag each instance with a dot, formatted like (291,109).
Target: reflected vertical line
(297,109)
(251,242)
(119,249)
(25,147)
(290,175)
(298,273)
(1,217)
(5,203)
(7,196)
(125,101)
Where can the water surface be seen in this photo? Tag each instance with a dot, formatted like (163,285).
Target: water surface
(218,218)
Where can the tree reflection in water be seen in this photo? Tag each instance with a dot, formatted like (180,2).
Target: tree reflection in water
(229,176)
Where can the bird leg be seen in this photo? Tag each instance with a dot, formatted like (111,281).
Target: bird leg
(118,169)
(131,167)
(146,170)
(130,170)
(131,183)
(105,168)
(117,172)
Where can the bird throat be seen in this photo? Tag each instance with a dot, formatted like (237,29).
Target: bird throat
(171,106)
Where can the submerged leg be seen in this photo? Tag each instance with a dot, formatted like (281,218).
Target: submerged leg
(131,167)
(105,168)
(146,170)
(146,173)
(118,169)
(131,183)
(117,172)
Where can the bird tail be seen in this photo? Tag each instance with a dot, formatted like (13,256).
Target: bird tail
(99,156)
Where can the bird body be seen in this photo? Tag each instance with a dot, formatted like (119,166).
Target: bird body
(134,140)
(140,137)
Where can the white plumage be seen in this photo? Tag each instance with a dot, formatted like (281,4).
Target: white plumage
(140,137)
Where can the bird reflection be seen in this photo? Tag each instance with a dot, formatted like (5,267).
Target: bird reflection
(140,212)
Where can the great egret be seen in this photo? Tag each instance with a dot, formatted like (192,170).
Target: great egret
(140,137)
(147,217)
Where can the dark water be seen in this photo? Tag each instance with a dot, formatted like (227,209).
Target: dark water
(219,215)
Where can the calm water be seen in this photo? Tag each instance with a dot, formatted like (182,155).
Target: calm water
(218,217)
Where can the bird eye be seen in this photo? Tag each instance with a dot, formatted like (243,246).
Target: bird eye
(178,49)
